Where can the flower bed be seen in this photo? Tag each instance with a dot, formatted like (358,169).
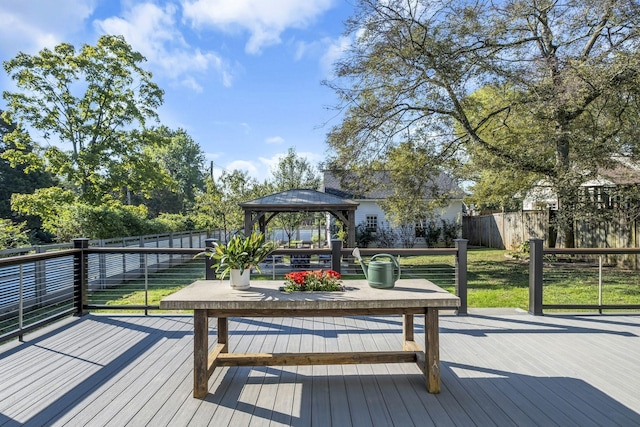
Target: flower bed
(316,280)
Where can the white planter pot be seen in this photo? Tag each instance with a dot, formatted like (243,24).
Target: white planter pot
(239,281)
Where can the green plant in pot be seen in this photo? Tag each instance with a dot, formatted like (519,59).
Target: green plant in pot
(238,256)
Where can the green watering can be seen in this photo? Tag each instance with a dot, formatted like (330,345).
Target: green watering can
(379,274)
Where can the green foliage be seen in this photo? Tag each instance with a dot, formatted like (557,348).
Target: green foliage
(15,179)
(102,222)
(364,235)
(48,203)
(13,235)
(67,218)
(293,172)
(386,237)
(91,100)
(240,252)
(416,186)
(450,231)
(218,205)
(547,89)
(174,222)
(182,161)
(432,234)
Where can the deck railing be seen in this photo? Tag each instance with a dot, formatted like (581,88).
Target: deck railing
(598,268)
(37,289)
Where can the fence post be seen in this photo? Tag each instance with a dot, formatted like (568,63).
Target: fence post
(40,277)
(210,273)
(461,274)
(336,255)
(81,275)
(535,277)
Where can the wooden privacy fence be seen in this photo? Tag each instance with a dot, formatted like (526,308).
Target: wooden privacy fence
(505,230)
(509,230)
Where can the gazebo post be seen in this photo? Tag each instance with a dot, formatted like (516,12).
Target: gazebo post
(351,232)
(248,224)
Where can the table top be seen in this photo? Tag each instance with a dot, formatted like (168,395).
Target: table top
(216,294)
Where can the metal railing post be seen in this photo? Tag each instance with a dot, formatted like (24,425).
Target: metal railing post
(535,277)
(81,275)
(210,273)
(21,304)
(461,274)
(336,255)
(40,277)
(146,284)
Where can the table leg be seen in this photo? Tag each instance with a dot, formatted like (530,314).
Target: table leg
(432,350)
(407,328)
(223,333)
(200,353)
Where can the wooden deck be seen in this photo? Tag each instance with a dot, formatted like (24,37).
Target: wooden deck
(497,369)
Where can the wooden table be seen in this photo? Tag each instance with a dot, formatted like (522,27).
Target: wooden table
(209,298)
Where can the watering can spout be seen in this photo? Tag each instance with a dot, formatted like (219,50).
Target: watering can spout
(356,255)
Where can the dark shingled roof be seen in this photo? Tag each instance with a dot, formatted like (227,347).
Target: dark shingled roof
(332,185)
(299,199)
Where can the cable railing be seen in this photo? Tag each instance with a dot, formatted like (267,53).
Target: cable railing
(594,279)
(37,289)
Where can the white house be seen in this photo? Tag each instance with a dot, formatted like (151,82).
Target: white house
(623,173)
(370,213)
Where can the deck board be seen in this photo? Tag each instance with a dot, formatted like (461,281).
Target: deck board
(496,370)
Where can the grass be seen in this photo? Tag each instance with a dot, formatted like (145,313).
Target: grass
(159,285)
(494,280)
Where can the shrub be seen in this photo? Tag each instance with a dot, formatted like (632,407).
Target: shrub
(432,234)
(13,235)
(450,231)
(364,235)
(386,237)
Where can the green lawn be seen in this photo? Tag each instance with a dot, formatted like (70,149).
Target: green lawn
(494,280)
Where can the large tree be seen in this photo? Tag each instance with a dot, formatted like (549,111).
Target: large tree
(90,106)
(182,161)
(293,172)
(218,205)
(15,179)
(570,68)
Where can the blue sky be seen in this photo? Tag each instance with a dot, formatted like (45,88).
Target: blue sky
(242,77)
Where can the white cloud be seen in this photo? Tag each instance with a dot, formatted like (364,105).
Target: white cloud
(272,162)
(191,83)
(312,157)
(336,48)
(274,140)
(264,20)
(245,165)
(327,49)
(30,26)
(261,169)
(152,31)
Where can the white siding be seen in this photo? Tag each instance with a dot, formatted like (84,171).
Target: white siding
(452,212)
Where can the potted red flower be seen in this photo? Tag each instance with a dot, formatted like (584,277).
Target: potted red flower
(316,280)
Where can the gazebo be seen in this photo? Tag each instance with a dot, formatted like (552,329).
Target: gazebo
(264,209)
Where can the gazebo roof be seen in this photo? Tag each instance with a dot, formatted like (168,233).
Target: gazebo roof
(262,210)
(300,200)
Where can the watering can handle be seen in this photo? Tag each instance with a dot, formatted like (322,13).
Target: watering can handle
(395,263)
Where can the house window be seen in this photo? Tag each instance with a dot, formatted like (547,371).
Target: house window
(372,222)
